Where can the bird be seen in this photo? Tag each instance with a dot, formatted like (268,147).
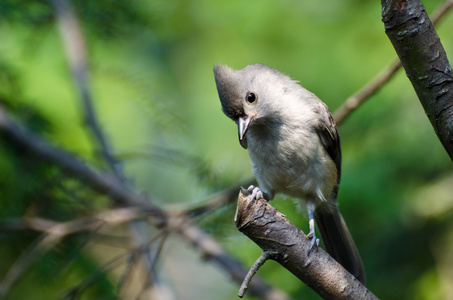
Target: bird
(294,149)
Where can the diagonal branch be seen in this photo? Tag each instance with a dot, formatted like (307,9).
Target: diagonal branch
(375,84)
(363,94)
(289,246)
(54,232)
(76,53)
(74,43)
(107,184)
(213,249)
(102,183)
(423,57)
(216,201)
(76,291)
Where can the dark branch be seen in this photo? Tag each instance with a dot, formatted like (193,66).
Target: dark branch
(270,230)
(74,44)
(375,84)
(102,183)
(107,184)
(423,57)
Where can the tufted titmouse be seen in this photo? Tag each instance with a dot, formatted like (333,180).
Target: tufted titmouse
(294,149)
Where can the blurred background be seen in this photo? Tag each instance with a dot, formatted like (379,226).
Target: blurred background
(150,73)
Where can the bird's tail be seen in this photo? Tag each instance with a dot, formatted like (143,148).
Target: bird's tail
(338,241)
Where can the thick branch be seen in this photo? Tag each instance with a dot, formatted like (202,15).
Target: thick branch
(375,84)
(421,53)
(270,230)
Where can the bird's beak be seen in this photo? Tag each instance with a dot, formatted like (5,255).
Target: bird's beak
(243,125)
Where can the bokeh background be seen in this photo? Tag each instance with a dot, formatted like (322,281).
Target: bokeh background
(150,64)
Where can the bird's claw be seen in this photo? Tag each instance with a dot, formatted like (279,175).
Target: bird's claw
(314,240)
(311,221)
(256,192)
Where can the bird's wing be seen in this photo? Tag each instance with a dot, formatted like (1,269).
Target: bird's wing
(328,134)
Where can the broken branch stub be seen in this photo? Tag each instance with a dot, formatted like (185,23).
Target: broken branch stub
(272,232)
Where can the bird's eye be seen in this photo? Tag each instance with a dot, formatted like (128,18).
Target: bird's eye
(251,97)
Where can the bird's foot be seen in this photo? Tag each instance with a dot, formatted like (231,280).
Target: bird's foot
(314,240)
(311,222)
(256,192)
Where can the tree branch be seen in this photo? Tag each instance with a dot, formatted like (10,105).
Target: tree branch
(363,94)
(110,217)
(289,246)
(125,257)
(213,250)
(375,84)
(216,201)
(107,184)
(423,57)
(74,44)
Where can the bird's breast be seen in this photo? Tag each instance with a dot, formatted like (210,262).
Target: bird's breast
(292,163)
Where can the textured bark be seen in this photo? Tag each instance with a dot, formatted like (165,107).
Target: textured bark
(423,57)
(270,230)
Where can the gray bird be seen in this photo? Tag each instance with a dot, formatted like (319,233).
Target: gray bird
(294,149)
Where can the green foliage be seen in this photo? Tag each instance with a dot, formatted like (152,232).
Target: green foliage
(151,78)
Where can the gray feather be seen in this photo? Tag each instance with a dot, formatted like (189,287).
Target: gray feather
(294,147)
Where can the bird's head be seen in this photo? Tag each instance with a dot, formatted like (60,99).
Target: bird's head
(245,96)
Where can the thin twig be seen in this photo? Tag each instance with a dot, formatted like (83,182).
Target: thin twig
(127,274)
(375,84)
(103,183)
(359,97)
(53,232)
(106,184)
(108,266)
(165,155)
(216,201)
(110,217)
(440,11)
(160,246)
(152,283)
(76,53)
(88,281)
(212,250)
(36,250)
(258,263)
(74,44)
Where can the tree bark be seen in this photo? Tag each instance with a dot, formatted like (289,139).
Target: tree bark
(270,230)
(423,57)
